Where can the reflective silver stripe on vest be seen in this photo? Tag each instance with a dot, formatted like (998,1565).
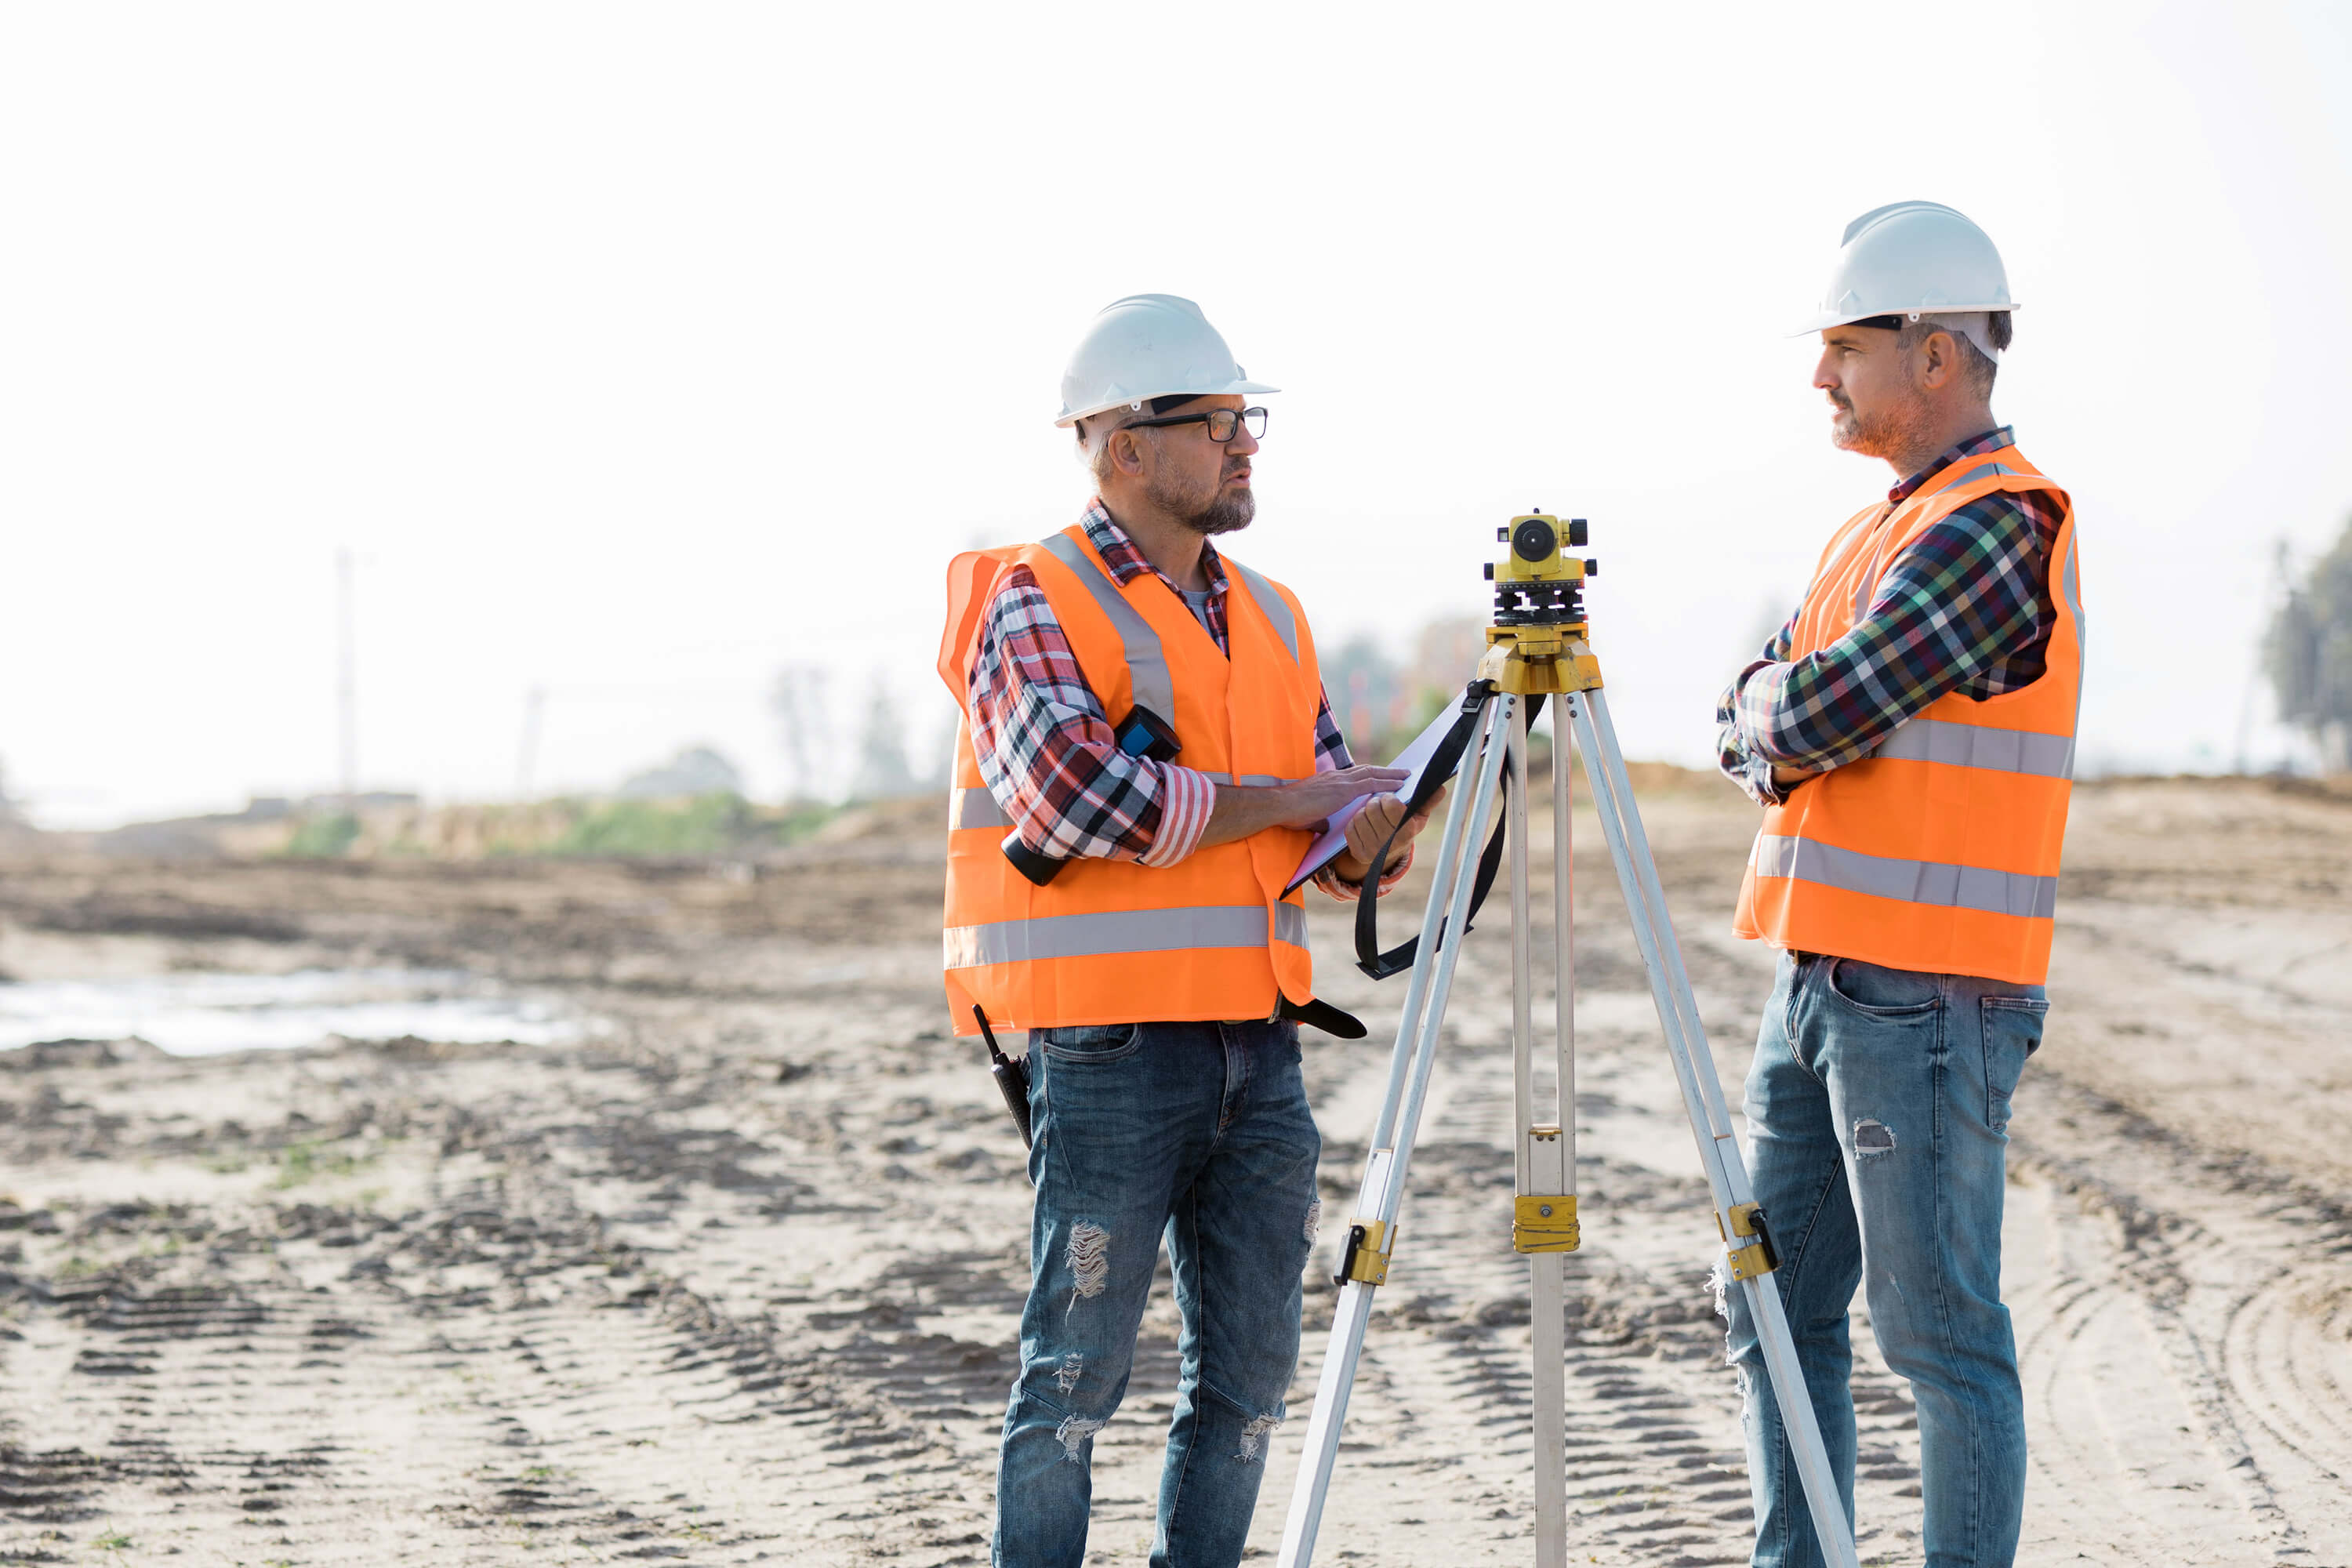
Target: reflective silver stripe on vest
(1910,881)
(974,808)
(1250,780)
(2082,631)
(1121,930)
(1147,666)
(1270,601)
(1981,746)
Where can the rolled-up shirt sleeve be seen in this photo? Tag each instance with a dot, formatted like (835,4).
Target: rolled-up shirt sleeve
(1047,754)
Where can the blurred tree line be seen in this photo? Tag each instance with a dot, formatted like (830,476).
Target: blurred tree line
(2308,652)
(880,764)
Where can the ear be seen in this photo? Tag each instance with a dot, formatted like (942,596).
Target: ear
(1939,362)
(1127,451)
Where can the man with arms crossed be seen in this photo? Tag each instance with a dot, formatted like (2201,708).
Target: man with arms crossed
(1910,734)
(1145,747)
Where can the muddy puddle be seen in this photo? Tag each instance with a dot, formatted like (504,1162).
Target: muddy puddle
(203,1015)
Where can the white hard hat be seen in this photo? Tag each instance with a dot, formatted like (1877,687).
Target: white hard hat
(1147,346)
(1913,259)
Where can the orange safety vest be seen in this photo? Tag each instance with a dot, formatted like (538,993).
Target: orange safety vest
(1111,941)
(1940,851)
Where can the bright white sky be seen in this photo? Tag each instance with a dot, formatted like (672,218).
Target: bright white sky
(638,351)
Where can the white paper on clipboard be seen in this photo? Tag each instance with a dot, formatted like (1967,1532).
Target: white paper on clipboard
(1415,757)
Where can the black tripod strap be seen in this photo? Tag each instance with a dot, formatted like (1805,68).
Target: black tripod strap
(1443,764)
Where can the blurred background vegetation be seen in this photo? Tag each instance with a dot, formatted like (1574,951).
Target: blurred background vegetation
(2308,652)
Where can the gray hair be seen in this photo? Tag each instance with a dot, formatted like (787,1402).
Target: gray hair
(1981,336)
(1094,433)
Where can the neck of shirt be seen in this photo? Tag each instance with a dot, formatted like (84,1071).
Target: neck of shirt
(1197,602)
(1992,440)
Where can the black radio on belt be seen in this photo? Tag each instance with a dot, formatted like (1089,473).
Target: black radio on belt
(1142,733)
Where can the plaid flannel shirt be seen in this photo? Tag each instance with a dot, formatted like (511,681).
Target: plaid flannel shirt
(1045,744)
(1965,608)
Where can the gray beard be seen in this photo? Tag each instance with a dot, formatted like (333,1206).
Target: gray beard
(1228,514)
(1223,514)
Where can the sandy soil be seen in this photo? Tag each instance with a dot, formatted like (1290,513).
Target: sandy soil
(736,1282)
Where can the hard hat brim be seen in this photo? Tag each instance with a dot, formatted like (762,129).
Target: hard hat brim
(1069,415)
(1825,319)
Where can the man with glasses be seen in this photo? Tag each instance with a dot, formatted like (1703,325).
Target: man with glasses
(1145,753)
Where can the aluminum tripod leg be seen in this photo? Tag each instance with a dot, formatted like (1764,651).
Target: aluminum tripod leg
(1549,1164)
(1453,877)
(1710,1119)
(1545,1166)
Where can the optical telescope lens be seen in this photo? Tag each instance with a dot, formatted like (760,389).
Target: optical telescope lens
(1534,540)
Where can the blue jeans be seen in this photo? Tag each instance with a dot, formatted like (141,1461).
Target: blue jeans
(1199,1132)
(1877,1111)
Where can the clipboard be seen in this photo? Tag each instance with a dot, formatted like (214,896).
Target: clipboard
(1415,758)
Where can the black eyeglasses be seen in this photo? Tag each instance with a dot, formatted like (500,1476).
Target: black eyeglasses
(1222,422)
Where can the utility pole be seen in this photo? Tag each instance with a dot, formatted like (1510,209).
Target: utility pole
(2280,589)
(534,713)
(347,699)
(798,702)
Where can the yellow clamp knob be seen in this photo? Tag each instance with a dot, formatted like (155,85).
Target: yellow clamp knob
(1544,1223)
(1757,1257)
(1366,1261)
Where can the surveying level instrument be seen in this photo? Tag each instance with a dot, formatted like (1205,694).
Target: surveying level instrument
(1536,648)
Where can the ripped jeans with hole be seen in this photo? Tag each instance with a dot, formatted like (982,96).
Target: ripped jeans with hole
(1196,1134)
(1878,1111)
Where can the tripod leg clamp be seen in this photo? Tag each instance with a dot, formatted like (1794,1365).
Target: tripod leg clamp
(1366,1261)
(1544,1223)
(1751,1257)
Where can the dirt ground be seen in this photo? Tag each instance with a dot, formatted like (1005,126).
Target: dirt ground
(735,1279)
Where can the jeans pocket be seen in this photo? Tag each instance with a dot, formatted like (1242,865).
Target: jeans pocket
(1091,1042)
(2012,1032)
(1875,992)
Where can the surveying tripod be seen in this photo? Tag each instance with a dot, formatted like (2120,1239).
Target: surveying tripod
(1536,648)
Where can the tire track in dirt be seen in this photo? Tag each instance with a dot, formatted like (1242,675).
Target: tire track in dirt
(2087,1451)
(2284,1347)
(488,1375)
(2230,1277)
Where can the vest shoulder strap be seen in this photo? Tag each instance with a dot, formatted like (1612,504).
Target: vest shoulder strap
(1146,660)
(1985,470)
(1270,603)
